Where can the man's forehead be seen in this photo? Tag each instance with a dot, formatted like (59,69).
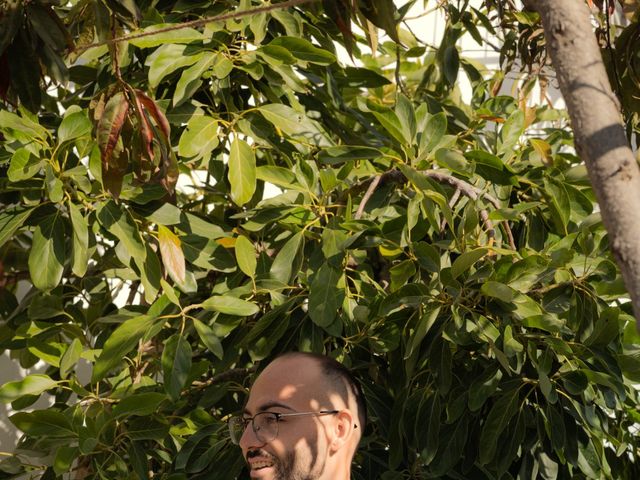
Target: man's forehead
(293,381)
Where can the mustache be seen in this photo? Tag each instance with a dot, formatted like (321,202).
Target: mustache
(260,453)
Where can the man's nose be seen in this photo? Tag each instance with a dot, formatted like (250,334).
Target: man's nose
(249,439)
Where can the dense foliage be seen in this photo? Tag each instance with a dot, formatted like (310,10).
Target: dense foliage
(451,253)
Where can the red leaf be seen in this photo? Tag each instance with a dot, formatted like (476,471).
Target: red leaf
(145,127)
(110,124)
(153,109)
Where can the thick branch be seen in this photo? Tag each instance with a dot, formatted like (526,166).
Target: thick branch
(599,134)
(473,193)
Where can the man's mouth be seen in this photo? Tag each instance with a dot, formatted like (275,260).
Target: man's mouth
(260,464)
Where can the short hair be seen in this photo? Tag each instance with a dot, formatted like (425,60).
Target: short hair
(340,377)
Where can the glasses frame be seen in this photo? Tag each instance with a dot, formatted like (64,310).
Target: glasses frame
(260,436)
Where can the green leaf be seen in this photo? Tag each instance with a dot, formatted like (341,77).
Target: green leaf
(70,357)
(324,295)
(430,412)
(290,121)
(451,64)
(246,256)
(209,338)
(282,266)
(119,222)
(407,117)
(280,176)
(200,137)
(511,132)
(434,130)
(24,165)
(139,404)
(44,424)
(191,80)
(465,261)
(503,410)
(11,219)
(303,50)
(230,305)
(11,121)
(454,161)
(176,364)
(65,456)
(559,203)
(425,323)
(119,343)
(172,35)
(275,55)
(80,245)
(391,123)
(222,66)
(33,384)
(147,428)
(483,387)
(497,290)
(74,126)
(166,60)
(242,172)
(47,255)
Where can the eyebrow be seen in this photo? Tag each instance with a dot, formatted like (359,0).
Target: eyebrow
(269,405)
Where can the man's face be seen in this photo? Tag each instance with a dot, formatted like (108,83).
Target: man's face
(301,448)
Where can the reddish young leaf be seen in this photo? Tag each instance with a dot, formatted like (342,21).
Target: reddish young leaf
(110,124)
(146,132)
(150,105)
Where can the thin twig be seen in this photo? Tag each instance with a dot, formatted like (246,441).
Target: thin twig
(397,72)
(232,374)
(491,232)
(367,196)
(199,23)
(452,202)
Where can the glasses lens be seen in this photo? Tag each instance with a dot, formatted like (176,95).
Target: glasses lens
(265,425)
(237,426)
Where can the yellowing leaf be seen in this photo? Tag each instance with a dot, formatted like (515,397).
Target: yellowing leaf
(172,254)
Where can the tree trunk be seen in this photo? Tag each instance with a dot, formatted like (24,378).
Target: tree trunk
(598,130)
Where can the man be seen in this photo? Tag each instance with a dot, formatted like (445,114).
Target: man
(303,420)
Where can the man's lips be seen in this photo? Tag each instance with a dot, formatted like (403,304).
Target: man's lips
(258,463)
(258,460)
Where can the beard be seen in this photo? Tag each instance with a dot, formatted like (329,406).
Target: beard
(287,468)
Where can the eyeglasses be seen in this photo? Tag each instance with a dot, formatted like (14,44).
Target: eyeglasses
(265,424)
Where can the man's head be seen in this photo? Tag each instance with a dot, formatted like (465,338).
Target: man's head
(318,444)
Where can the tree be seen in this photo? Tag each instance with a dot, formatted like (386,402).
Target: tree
(449,253)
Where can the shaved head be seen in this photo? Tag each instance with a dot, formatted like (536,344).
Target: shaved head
(316,415)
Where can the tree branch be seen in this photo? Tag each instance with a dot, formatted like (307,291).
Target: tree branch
(473,193)
(198,23)
(598,130)
(367,195)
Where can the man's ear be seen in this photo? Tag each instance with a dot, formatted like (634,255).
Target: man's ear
(343,430)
